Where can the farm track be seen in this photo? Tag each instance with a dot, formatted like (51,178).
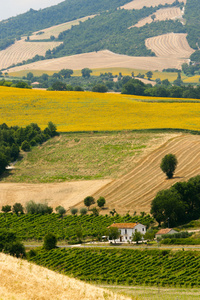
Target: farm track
(22,50)
(162,14)
(139,4)
(170,45)
(136,190)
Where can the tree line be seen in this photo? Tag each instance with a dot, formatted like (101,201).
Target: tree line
(14,138)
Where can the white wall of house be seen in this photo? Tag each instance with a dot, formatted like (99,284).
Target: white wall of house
(126,233)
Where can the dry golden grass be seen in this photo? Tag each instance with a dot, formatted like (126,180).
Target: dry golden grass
(21,280)
(139,4)
(136,190)
(162,14)
(193,79)
(55,30)
(22,50)
(101,60)
(174,45)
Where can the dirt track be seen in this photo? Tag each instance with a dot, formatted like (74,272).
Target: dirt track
(136,190)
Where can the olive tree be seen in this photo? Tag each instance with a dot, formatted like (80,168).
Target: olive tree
(88,201)
(168,165)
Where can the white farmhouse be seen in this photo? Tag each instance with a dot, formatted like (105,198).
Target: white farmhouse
(127,230)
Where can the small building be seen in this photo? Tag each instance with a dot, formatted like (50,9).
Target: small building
(127,230)
(165,231)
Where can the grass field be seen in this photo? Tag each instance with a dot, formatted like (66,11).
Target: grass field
(84,156)
(87,111)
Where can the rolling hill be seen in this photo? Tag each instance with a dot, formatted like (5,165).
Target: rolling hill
(85,27)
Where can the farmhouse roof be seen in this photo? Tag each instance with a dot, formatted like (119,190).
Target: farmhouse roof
(164,231)
(124,225)
(36,82)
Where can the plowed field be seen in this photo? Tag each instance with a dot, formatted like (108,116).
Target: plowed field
(170,45)
(136,190)
(22,50)
(103,59)
(139,4)
(163,14)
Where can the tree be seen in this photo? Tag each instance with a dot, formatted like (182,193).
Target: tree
(149,75)
(137,236)
(50,241)
(101,202)
(168,165)
(86,72)
(60,210)
(18,208)
(73,211)
(6,208)
(100,88)
(3,162)
(88,201)
(25,146)
(113,233)
(153,17)
(66,73)
(83,211)
(95,211)
(58,86)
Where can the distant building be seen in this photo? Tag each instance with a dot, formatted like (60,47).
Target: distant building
(165,231)
(127,230)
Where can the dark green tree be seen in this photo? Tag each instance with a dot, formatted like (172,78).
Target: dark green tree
(136,237)
(6,208)
(18,209)
(88,201)
(113,233)
(60,210)
(100,88)
(50,241)
(86,72)
(168,165)
(25,146)
(149,75)
(101,202)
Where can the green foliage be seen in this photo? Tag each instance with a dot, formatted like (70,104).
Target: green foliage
(95,211)
(88,201)
(36,226)
(10,244)
(101,202)
(86,72)
(25,146)
(137,236)
(180,203)
(73,211)
(83,211)
(168,164)
(113,233)
(18,209)
(119,266)
(60,210)
(100,88)
(38,208)
(50,241)
(6,208)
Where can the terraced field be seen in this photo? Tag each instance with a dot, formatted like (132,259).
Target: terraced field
(162,14)
(170,45)
(139,4)
(22,50)
(136,189)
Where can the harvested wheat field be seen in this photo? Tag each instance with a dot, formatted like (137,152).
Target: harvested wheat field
(170,45)
(66,194)
(22,50)
(103,59)
(136,190)
(21,280)
(162,14)
(139,4)
(55,30)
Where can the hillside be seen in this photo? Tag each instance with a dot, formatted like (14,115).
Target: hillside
(23,280)
(139,21)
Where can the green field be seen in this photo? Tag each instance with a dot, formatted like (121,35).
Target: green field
(74,156)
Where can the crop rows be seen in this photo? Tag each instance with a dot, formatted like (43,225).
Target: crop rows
(35,226)
(125,266)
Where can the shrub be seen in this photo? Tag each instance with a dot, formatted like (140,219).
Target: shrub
(25,146)
(73,211)
(83,211)
(50,241)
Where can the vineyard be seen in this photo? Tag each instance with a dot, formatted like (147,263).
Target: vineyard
(125,266)
(34,227)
